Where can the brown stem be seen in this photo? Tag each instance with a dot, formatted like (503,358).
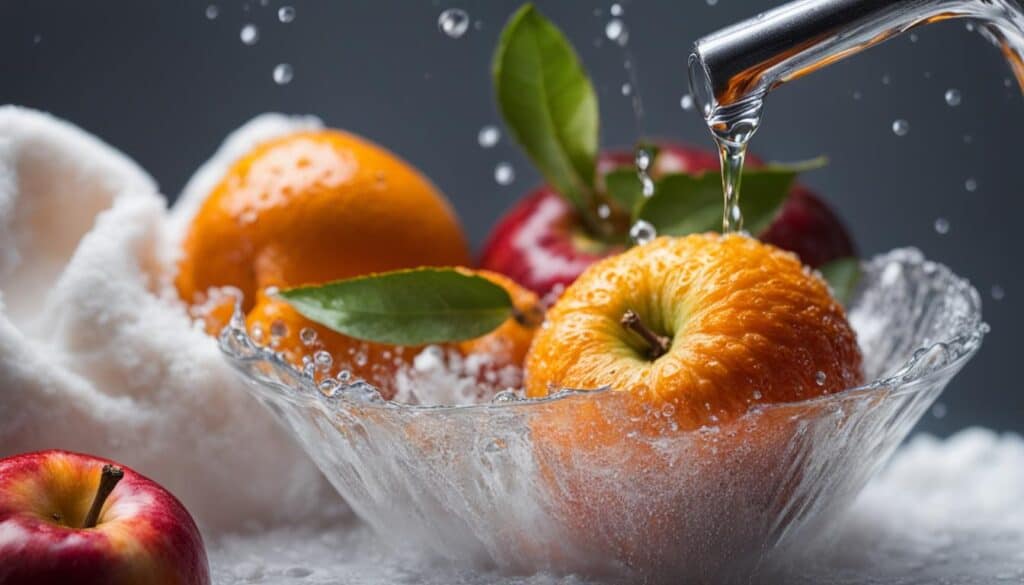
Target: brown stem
(657,344)
(108,479)
(530,318)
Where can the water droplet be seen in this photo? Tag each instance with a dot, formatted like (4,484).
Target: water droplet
(941,226)
(617,32)
(857,95)
(453,22)
(913,37)
(668,409)
(997,293)
(286,14)
(968,139)
(900,127)
(971,184)
(758,395)
(616,10)
(278,329)
(603,211)
(886,80)
(819,378)
(504,174)
(212,12)
(283,74)
(969,26)
(505,396)
(642,159)
(250,34)
(257,334)
(488,136)
(686,102)
(627,89)
(712,2)
(642,232)
(953,97)
(328,386)
(344,376)
(1007,82)
(308,336)
(323,360)
(939,410)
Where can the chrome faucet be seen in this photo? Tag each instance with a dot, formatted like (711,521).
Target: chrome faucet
(736,66)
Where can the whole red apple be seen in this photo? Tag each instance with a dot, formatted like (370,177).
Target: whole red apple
(541,242)
(71,518)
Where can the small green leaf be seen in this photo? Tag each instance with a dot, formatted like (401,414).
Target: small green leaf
(841,275)
(687,204)
(623,187)
(548,102)
(406,307)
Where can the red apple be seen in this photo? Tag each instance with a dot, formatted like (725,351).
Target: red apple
(71,518)
(541,243)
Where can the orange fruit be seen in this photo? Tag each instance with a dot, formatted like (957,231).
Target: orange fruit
(743,322)
(312,207)
(662,471)
(275,323)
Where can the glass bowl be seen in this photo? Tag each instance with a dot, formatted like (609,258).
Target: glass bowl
(526,485)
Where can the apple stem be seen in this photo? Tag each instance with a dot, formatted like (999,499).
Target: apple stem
(658,344)
(530,318)
(108,479)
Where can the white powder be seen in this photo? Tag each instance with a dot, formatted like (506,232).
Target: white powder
(943,512)
(96,354)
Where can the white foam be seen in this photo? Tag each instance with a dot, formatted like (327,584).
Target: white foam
(96,353)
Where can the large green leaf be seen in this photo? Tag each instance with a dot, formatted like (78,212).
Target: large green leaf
(841,275)
(687,204)
(406,307)
(548,103)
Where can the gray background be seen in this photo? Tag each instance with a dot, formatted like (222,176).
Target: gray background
(165,84)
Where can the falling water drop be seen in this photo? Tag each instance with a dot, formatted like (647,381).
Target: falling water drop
(616,10)
(286,14)
(900,127)
(627,89)
(712,2)
(453,22)
(953,97)
(617,32)
(603,211)
(249,34)
(971,185)
(997,293)
(283,74)
(642,232)
(504,174)
(212,12)
(941,226)
(488,136)
(686,102)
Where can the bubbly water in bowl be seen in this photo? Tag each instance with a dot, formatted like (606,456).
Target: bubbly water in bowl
(583,482)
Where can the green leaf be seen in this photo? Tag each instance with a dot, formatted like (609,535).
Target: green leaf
(548,102)
(624,187)
(841,275)
(687,204)
(406,307)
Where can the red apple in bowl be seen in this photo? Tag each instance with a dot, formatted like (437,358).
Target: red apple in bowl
(542,244)
(72,518)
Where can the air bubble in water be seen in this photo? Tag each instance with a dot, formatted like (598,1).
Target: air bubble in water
(286,14)
(250,34)
(617,32)
(344,376)
(953,97)
(328,386)
(941,226)
(971,184)
(453,22)
(283,74)
(757,395)
(642,232)
(686,102)
(278,329)
(997,293)
(819,378)
(616,10)
(504,174)
(212,12)
(323,360)
(488,136)
(900,127)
